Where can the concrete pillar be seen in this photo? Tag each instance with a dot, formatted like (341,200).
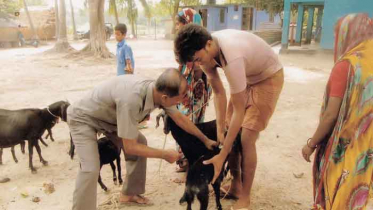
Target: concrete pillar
(311,12)
(298,36)
(285,26)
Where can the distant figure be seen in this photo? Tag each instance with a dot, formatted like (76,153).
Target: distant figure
(125,61)
(21,38)
(33,42)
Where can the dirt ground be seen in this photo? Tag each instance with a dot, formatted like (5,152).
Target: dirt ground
(32,78)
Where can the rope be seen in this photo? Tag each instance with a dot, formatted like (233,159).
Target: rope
(51,113)
(160,162)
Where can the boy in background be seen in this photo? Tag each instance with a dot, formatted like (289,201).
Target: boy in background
(125,61)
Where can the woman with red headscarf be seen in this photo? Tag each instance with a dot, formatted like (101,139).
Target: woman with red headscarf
(343,166)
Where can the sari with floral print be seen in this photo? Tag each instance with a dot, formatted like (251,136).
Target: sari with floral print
(343,166)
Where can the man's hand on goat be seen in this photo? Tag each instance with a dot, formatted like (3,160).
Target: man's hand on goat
(171,156)
(217,161)
(210,144)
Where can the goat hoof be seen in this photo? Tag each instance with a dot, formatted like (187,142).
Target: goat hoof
(120,182)
(33,171)
(105,189)
(16,161)
(115,182)
(45,163)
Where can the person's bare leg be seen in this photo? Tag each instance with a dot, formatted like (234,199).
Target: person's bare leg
(234,161)
(249,162)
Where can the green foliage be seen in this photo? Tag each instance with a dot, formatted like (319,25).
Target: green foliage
(165,8)
(270,6)
(111,7)
(235,1)
(147,9)
(12,6)
(190,2)
(36,2)
(9,6)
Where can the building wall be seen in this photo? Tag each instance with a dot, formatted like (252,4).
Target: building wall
(214,17)
(335,9)
(234,18)
(263,16)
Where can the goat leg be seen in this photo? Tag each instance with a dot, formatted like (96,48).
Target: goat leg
(45,163)
(216,187)
(114,174)
(14,154)
(100,181)
(23,144)
(1,156)
(119,167)
(72,147)
(50,134)
(189,197)
(30,151)
(203,197)
(43,142)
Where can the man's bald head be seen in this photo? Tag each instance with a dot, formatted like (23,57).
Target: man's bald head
(169,82)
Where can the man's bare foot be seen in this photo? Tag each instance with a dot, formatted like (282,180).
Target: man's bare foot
(136,199)
(242,203)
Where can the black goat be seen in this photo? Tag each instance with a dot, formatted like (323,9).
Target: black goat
(16,126)
(199,175)
(13,152)
(108,152)
(23,144)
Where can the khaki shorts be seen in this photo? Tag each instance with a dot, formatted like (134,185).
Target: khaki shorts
(261,100)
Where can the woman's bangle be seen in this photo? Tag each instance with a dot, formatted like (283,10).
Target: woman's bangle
(308,144)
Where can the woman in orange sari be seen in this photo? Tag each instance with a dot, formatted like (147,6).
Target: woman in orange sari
(343,166)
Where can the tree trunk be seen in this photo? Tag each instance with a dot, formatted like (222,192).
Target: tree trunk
(62,44)
(271,13)
(148,13)
(176,9)
(114,4)
(73,20)
(132,19)
(271,17)
(35,35)
(97,40)
(149,25)
(57,23)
